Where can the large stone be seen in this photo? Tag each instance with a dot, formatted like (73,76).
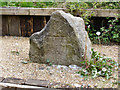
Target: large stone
(62,41)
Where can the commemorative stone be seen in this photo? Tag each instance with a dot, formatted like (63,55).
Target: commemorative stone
(62,41)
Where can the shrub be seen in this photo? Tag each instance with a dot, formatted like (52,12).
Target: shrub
(110,34)
(98,66)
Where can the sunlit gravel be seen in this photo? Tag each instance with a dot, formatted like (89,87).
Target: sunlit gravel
(14,62)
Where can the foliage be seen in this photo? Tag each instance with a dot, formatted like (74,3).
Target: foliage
(48,62)
(110,34)
(15,53)
(98,66)
(73,7)
(85,5)
(29,4)
(107,35)
(106,5)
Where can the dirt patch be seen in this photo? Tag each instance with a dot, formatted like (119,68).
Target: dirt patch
(14,62)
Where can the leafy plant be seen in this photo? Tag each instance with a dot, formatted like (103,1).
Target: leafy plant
(107,34)
(80,7)
(107,5)
(3,4)
(48,62)
(15,53)
(112,32)
(26,4)
(24,62)
(98,66)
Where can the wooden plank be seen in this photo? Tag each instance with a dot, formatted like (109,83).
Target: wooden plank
(45,83)
(30,26)
(5,25)
(35,82)
(23,87)
(1,79)
(101,12)
(14,25)
(26,23)
(14,11)
(0,25)
(49,11)
(38,23)
(44,21)
(47,18)
(44,11)
(28,11)
(13,80)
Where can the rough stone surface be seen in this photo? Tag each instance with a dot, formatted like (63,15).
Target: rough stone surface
(62,41)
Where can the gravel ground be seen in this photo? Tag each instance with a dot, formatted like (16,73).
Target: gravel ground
(14,62)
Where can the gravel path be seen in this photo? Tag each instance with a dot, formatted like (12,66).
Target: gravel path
(14,62)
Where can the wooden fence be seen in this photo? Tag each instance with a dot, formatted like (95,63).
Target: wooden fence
(22,25)
(24,21)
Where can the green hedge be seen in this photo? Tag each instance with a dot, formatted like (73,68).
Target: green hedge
(95,5)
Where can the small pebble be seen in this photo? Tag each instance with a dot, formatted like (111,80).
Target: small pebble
(62,66)
(41,68)
(16,44)
(81,76)
(74,67)
(77,85)
(24,62)
(103,80)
